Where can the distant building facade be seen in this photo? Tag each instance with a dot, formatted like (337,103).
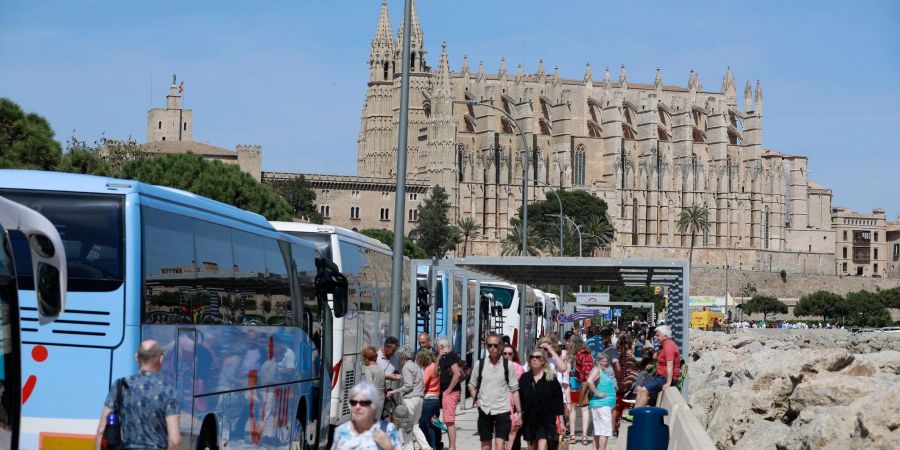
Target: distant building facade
(648,149)
(170,130)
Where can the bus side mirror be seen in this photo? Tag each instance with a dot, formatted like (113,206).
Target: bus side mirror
(539,309)
(48,257)
(330,280)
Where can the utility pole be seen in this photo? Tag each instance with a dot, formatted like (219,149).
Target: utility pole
(400,198)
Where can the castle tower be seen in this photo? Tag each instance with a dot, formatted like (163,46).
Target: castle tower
(373,156)
(171,123)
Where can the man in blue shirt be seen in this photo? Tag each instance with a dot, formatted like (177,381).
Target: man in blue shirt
(149,413)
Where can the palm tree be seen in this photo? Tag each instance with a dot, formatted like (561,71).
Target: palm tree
(469,229)
(599,231)
(512,243)
(693,219)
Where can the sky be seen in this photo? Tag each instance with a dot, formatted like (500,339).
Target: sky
(291,75)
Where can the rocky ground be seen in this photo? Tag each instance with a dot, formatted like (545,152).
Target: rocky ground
(796,389)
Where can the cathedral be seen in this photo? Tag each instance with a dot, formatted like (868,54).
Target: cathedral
(647,149)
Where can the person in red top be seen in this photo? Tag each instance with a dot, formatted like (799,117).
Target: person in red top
(431,406)
(668,367)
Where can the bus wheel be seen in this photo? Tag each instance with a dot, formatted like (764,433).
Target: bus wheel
(303,442)
(207,438)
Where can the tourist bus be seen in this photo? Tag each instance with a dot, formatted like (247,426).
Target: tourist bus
(501,309)
(366,263)
(45,267)
(236,305)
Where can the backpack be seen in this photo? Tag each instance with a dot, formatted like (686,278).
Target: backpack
(584,362)
(481,369)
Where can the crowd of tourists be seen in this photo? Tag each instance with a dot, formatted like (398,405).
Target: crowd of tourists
(410,399)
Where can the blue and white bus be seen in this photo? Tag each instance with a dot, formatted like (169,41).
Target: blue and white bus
(238,307)
(47,271)
(366,263)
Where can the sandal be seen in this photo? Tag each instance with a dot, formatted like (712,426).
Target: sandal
(572,440)
(585,440)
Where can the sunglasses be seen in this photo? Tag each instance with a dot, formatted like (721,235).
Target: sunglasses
(507,353)
(365,403)
(493,345)
(535,356)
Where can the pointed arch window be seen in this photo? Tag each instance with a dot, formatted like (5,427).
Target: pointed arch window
(506,125)
(728,164)
(634,222)
(766,229)
(657,155)
(461,161)
(580,160)
(622,163)
(385,71)
(412,61)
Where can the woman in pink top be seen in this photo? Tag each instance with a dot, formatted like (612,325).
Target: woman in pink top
(510,354)
(431,407)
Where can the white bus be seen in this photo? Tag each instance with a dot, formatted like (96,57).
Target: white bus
(500,311)
(366,263)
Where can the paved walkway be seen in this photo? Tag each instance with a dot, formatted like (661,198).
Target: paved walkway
(467,433)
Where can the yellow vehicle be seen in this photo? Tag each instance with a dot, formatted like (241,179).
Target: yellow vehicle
(707,320)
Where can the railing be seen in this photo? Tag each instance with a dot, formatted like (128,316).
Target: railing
(685,431)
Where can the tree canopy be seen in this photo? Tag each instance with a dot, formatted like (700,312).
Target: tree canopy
(26,140)
(410,249)
(435,231)
(861,308)
(583,208)
(216,180)
(764,304)
(820,303)
(300,197)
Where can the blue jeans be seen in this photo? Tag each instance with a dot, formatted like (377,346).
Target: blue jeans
(431,408)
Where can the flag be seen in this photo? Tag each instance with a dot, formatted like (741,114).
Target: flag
(181,87)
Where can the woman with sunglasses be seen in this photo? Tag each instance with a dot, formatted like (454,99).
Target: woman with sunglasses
(364,431)
(603,399)
(542,402)
(510,354)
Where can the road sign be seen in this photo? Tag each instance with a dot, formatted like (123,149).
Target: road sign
(591,298)
(617,312)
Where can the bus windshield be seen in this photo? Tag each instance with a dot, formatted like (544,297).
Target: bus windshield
(322,241)
(91,229)
(502,295)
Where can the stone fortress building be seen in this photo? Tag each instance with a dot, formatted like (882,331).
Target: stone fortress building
(171,129)
(647,149)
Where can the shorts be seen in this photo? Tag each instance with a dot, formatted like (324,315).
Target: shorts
(448,406)
(602,419)
(533,434)
(494,426)
(654,385)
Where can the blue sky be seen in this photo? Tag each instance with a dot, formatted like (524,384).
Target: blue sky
(291,76)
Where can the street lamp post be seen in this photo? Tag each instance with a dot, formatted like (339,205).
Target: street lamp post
(728,268)
(578,229)
(521,342)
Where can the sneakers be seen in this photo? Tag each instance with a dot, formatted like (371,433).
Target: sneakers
(437,422)
(628,418)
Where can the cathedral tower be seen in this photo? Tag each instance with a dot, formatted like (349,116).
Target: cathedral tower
(373,155)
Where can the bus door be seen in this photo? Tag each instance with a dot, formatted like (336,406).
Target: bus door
(185,345)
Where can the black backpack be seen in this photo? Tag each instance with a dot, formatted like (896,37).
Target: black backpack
(481,369)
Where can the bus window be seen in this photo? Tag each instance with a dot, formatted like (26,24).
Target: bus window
(250,277)
(215,273)
(309,310)
(169,275)
(277,304)
(91,230)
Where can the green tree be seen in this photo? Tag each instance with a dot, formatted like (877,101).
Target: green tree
(80,158)
(118,153)
(435,232)
(693,219)
(223,182)
(865,309)
(26,140)
(766,305)
(580,206)
(820,303)
(598,232)
(890,298)
(410,249)
(300,197)
(468,228)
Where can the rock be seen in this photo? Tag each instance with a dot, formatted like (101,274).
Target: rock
(878,423)
(862,370)
(763,434)
(741,341)
(830,391)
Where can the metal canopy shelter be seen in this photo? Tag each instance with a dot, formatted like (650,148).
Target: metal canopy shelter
(670,273)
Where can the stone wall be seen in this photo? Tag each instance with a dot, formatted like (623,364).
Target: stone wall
(711,281)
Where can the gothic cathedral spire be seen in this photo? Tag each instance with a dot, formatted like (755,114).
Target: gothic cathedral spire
(381,56)
(416,43)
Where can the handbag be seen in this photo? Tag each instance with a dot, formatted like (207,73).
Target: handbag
(563,444)
(112,434)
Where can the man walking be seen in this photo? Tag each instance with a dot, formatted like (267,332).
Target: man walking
(388,361)
(149,410)
(491,387)
(450,378)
